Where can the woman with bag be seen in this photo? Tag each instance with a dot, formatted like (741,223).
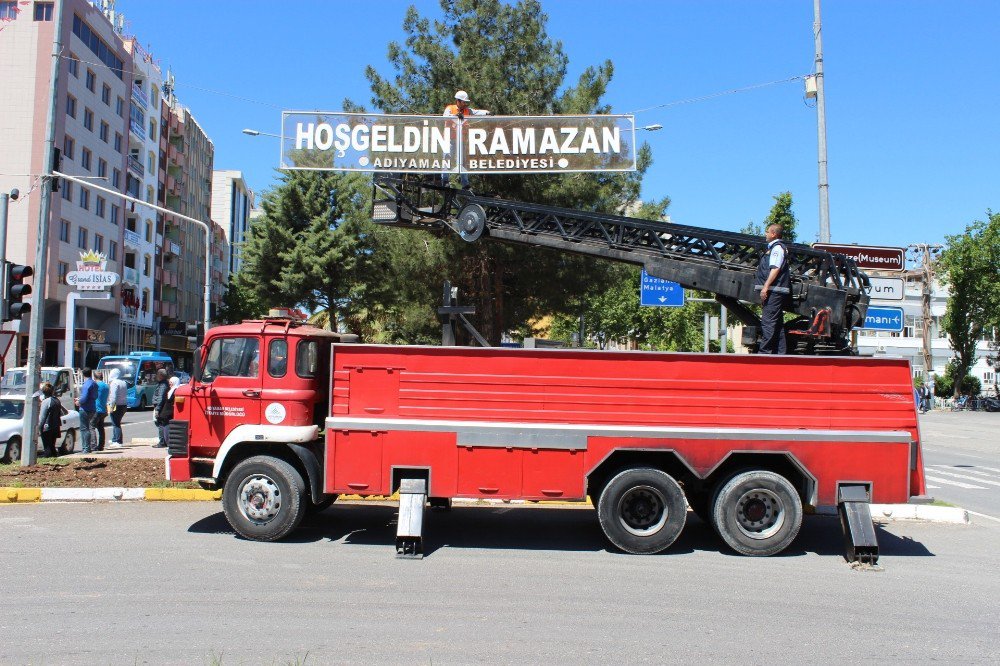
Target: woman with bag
(50,420)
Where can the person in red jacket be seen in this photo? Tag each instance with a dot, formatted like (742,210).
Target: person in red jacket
(461,109)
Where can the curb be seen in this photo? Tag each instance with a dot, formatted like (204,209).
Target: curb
(881,513)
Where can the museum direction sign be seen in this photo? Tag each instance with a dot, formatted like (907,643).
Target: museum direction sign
(869,257)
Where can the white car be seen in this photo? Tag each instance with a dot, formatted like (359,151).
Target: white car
(12,427)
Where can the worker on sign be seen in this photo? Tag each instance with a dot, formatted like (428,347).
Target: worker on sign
(774,281)
(461,110)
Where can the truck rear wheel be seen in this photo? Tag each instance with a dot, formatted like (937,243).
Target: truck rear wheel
(264,498)
(642,510)
(757,513)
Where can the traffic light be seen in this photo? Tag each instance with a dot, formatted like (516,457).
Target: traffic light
(14,276)
(194,330)
(56,166)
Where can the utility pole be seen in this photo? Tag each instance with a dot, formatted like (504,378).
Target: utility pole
(824,183)
(927,279)
(29,447)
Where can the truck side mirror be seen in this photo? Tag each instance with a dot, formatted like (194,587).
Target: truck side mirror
(196,370)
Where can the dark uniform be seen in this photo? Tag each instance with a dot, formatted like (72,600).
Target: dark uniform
(772,332)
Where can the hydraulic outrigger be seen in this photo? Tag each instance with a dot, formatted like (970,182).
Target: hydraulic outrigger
(829,293)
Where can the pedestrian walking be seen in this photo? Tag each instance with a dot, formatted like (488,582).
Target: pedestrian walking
(87,406)
(117,404)
(159,396)
(774,282)
(50,420)
(101,415)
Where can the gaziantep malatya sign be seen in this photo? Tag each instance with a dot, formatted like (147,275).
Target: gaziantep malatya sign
(334,141)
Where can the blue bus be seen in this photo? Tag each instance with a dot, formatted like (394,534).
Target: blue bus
(138,369)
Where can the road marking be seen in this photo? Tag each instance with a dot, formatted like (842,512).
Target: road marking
(967,470)
(954,453)
(967,478)
(933,487)
(125,425)
(982,515)
(949,482)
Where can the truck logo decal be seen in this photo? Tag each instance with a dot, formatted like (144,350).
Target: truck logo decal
(275,413)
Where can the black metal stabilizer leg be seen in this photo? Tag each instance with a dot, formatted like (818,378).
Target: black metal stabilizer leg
(856,520)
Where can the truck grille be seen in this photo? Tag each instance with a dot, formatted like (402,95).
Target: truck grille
(177,439)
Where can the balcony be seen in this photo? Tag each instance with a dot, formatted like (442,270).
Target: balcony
(173,248)
(139,97)
(130,275)
(137,129)
(135,166)
(169,278)
(132,239)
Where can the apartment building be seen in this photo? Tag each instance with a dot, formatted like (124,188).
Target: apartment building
(118,123)
(91,126)
(232,206)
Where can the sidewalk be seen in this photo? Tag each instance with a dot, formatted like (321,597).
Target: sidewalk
(137,447)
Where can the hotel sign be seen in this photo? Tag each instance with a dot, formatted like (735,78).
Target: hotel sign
(90,274)
(333,141)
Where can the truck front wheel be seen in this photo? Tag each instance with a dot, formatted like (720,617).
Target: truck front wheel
(264,498)
(757,513)
(642,510)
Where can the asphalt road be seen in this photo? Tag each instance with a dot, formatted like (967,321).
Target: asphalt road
(962,459)
(164,583)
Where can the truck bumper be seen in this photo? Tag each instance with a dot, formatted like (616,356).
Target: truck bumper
(178,469)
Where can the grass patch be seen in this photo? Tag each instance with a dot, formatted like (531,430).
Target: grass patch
(938,502)
(14,464)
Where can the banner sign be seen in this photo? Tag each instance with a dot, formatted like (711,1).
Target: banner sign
(90,273)
(331,141)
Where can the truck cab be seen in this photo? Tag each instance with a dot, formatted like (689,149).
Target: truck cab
(261,386)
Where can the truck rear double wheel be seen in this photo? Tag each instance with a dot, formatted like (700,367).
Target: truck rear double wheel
(264,498)
(642,510)
(757,513)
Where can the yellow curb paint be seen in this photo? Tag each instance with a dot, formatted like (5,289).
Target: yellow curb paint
(13,495)
(182,495)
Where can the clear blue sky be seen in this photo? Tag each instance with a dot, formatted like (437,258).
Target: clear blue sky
(912,96)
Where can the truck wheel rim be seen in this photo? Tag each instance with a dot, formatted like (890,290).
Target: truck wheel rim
(760,513)
(642,511)
(260,499)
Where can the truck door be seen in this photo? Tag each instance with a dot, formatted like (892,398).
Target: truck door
(228,394)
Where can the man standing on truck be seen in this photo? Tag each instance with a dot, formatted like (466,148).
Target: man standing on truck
(461,110)
(774,281)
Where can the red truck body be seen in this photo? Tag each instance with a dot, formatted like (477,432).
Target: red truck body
(546,425)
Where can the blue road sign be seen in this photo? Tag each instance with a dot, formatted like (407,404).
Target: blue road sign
(884,319)
(657,292)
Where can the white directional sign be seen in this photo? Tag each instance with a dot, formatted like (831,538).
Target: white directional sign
(886,289)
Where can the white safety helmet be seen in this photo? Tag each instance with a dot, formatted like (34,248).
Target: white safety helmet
(462,96)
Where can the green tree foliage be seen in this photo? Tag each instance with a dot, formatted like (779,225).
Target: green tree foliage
(501,54)
(240,301)
(781,213)
(945,386)
(970,266)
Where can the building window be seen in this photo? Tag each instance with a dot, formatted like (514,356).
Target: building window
(99,206)
(98,242)
(84,198)
(116,178)
(106,94)
(70,106)
(67,190)
(120,107)
(63,270)
(81,238)
(64,231)
(104,131)
(43,11)
(118,142)
(98,46)
(91,80)
(145,265)
(68,145)
(74,65)
(113,251)
(102,168)
(151,162)
(152,129)
(88,119)
(115,214)
(85,155)
(149,231)
(8,11)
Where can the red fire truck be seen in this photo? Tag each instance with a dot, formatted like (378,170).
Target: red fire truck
(285,417)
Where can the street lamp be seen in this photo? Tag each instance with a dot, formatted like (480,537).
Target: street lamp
(253,132)
(649,128)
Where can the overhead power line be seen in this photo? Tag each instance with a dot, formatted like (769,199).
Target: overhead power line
(703,98)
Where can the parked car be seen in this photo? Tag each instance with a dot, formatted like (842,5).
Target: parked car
(12,427)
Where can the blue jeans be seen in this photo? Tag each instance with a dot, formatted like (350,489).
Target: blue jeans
(87,439)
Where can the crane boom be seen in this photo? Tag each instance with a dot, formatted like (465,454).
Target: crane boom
(829,292)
